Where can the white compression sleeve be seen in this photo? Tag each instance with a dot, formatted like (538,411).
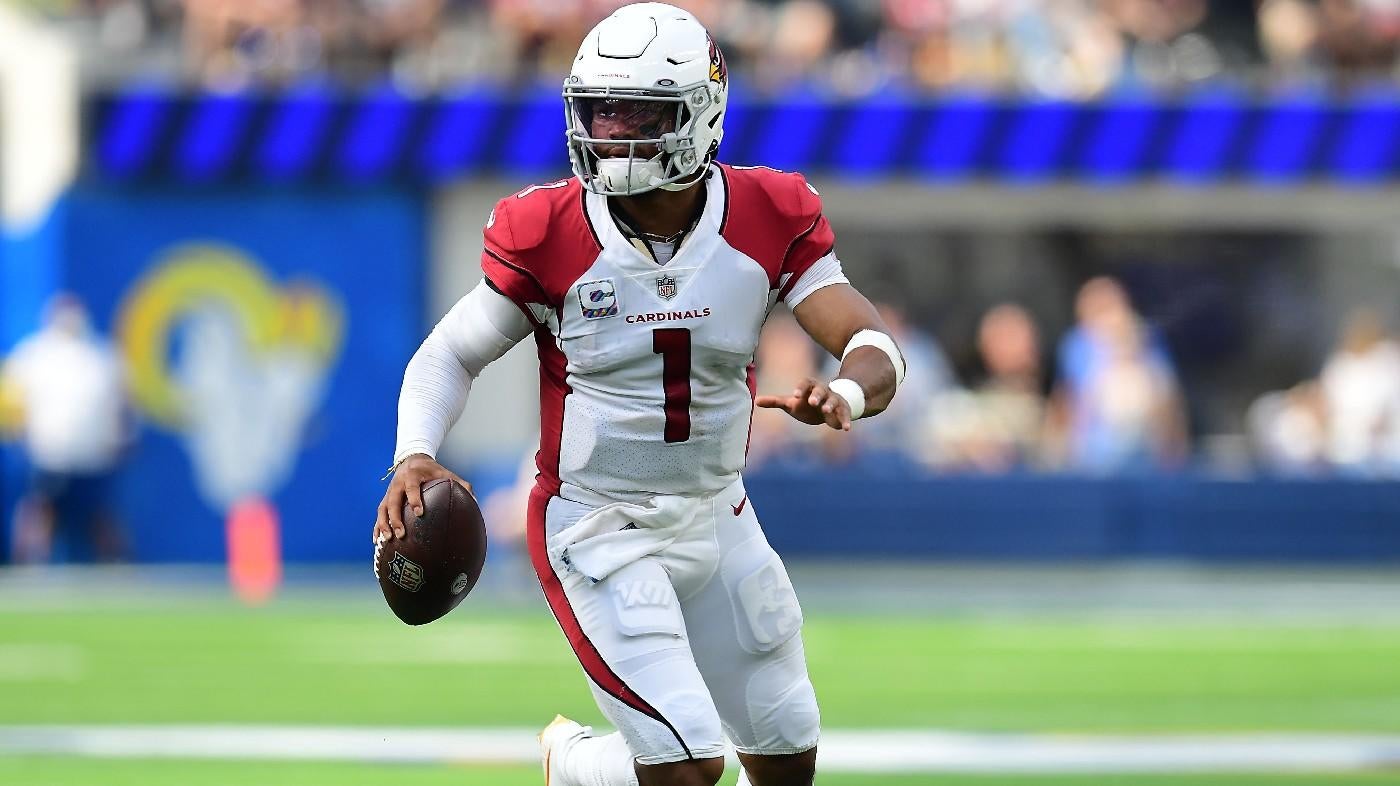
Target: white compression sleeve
(823,273)
(479,329)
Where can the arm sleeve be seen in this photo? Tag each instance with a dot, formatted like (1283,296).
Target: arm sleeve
(478,330)
(812,245)
(823,273)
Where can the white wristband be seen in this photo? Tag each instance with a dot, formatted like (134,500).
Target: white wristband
(882,342)
(850,390)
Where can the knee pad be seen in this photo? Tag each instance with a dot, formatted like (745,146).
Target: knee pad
(693,718)
(782,705)
(693,715)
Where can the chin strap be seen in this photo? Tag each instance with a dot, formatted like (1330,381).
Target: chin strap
(700,174)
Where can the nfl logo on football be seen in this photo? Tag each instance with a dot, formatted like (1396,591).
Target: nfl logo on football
(666,287)
(406,573)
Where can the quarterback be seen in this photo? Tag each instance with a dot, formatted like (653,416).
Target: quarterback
(645,280)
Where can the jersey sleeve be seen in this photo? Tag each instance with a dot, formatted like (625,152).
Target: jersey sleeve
(814,241)
(536,245)
(505,261)
(775,218)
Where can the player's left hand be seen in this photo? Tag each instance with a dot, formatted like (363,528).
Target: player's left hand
(813,403)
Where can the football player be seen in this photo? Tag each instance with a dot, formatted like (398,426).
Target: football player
(645,280)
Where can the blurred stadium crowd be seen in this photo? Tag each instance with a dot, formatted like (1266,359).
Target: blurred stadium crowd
(1059,48)
(1105,397)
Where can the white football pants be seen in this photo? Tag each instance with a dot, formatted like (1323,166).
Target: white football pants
(691,644)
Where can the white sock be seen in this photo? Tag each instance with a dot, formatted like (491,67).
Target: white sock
(599,761)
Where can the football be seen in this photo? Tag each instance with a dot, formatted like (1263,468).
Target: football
(426,573)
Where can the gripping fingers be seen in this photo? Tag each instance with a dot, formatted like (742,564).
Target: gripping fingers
(394,507)
(381,524)
(413,487)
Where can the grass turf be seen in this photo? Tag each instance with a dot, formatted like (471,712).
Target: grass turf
(49,771)
(355,664)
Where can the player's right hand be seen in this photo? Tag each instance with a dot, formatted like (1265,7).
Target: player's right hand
(407,484)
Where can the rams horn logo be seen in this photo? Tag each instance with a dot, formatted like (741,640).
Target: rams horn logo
(718,72)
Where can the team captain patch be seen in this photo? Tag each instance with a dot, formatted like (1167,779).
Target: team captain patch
(597,299)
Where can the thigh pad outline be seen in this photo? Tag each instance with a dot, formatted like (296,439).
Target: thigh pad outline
(766,611)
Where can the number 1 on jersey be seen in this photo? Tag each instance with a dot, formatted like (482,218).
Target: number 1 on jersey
(673,345)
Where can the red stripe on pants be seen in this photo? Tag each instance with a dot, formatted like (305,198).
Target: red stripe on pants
(597,669)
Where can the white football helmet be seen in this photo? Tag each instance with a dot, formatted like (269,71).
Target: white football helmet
(646,61)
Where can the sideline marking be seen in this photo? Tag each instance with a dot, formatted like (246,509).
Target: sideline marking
(841,751)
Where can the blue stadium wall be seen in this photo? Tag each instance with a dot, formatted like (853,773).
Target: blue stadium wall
(264,332)
(29,264)
(899,515)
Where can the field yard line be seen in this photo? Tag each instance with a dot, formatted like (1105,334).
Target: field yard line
(841,751)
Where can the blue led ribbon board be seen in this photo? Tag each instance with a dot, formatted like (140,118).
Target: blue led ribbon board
(318,133)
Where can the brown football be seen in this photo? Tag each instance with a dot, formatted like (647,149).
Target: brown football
(426,573)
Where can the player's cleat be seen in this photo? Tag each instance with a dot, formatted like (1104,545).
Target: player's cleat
(555,740)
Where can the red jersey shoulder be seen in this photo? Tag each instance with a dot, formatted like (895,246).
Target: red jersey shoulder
(784,197)
(775,218)
(542,234)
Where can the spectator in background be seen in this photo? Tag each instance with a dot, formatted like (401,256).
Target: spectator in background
(803,33)
(1359,36)
(1288,430)
(1072,49)
(900,431)
(1289,31)
(1361,391)
(1116,405)
(785,354)
(67,385)
(232,42)
(998,424)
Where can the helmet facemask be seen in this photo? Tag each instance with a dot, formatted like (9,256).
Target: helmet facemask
(662,153)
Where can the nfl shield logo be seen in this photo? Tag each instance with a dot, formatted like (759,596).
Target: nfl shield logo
(406,573)
(666,287)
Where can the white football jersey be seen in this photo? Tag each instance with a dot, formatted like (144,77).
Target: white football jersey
(646,370)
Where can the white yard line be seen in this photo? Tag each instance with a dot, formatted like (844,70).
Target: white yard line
(841,751)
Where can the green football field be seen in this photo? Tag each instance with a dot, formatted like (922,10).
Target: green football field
(61,772)
(352,664)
